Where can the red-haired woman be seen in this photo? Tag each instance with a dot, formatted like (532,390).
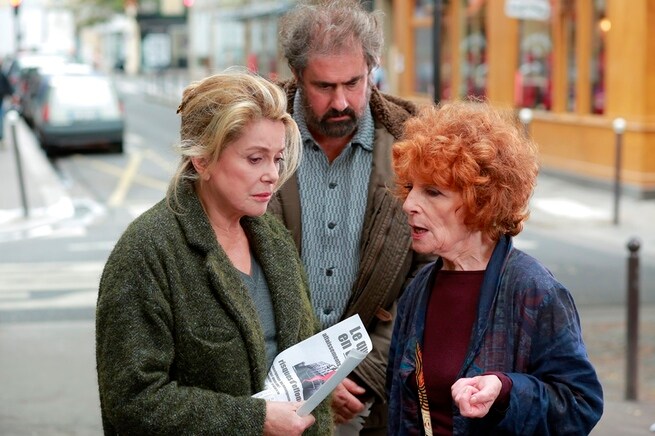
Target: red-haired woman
(486,340)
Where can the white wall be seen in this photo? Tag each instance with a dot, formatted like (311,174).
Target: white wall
(42,24)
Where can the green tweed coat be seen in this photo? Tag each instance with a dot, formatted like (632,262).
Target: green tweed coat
(179,346)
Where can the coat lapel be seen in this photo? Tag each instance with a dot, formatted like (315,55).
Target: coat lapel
(226,283)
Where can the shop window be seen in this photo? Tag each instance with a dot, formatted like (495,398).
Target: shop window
(533,80)
(422,24)
(423,8)
(230,44)
(473,50)
(601,26)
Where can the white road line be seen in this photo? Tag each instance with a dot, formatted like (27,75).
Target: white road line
(50,276)
(137,209)
(569,208)
(13,296)
(65,301)
(525,244)
(91,246)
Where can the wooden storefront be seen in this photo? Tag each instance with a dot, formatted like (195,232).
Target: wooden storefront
(578,64)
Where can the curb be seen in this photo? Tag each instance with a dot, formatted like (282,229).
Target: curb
(46,198)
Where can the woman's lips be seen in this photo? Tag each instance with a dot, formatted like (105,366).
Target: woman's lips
(417,232)
(263,197)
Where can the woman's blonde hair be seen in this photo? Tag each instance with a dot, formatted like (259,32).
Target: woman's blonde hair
(216,110)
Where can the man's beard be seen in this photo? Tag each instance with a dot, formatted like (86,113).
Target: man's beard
(332,129)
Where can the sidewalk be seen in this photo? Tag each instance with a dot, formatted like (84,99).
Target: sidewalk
(559,207)
(41,200)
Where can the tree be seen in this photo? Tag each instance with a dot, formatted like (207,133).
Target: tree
(89,12)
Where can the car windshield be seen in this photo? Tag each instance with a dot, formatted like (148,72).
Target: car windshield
(77,98)
(82,91)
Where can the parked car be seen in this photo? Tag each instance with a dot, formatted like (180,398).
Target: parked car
(21,66)
(34,79)
(75,112)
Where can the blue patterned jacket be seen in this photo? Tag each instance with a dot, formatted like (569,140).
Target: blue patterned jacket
(527,327)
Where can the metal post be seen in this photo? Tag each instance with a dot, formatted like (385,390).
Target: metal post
(632,320)
(525,115)
(436,49)
(619,127)
(12,117)
(16,29)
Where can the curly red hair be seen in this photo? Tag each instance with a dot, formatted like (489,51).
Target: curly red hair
(474,149)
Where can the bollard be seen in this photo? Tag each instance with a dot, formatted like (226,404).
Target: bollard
(12,117)
(525,115)
(632,328)
(619,127)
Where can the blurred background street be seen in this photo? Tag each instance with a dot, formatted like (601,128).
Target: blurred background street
(62,208)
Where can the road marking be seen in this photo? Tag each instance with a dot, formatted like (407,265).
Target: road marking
(525,244)
(50,276)
(133,139)
(14,296)
(64,301)
(137,209)
(569,208)
(49,285)
(92,246)
(118,171)
(126,180)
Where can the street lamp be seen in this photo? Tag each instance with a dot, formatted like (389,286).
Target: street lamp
(619,125)
(525,115)
(15,5)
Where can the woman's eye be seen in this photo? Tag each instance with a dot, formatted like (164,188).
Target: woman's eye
(254,160)
(433,192)
(407,187)
(279,159)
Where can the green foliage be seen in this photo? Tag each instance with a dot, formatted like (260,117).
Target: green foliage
(90,12)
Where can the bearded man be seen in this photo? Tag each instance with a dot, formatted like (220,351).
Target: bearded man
(351,232)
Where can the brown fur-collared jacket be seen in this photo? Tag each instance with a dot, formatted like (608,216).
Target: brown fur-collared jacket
(386,259)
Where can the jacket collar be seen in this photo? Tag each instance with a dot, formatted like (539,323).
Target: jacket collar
(271,247)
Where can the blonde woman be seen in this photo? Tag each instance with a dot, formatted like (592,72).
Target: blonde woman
(204,289)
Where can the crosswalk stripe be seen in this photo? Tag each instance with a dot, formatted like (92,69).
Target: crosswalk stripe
(65,301)
(49,276)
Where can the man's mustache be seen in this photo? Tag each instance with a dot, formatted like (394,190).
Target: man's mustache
(333,113)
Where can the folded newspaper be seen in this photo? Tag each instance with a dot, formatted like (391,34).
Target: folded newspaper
(311,369)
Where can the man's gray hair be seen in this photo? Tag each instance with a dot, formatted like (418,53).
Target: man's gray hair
(329,27)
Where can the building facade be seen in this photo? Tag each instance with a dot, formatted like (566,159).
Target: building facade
(578,64)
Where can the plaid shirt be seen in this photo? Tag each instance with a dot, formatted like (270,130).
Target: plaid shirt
(528,328)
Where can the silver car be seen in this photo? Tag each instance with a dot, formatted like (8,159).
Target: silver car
(78,111)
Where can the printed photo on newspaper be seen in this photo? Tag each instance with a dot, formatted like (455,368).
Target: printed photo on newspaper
(311,369)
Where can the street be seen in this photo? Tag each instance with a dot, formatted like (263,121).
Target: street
(48,283)
(49,279)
